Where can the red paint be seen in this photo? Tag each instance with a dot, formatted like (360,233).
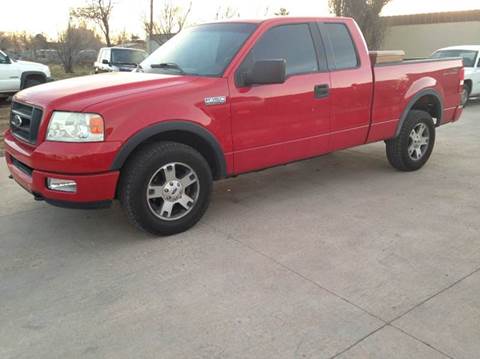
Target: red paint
(258,127)
(90,188)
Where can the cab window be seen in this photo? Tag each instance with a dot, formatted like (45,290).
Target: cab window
(341,44)
(292,43)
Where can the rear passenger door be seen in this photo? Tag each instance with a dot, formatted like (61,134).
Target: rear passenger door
(351,82)
(279,123)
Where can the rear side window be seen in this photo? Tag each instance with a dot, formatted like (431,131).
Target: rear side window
(343,48)
(293,43)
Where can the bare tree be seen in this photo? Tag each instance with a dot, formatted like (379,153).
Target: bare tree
(98,12)
(226,13)
(367,15)
(282,12)
(71,42)
(122,38)
(171,18)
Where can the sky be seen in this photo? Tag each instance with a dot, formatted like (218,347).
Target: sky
(51,16)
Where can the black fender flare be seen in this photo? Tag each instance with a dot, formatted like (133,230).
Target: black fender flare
(25,75)
(159,128)
(413,101)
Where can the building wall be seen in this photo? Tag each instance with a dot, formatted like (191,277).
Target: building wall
(422,40)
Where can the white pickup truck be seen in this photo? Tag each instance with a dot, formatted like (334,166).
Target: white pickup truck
(17,75)
(471,61)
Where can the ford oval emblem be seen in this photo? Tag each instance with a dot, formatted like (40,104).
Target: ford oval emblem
(17,121)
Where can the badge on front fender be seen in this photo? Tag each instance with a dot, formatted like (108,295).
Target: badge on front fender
(218,100)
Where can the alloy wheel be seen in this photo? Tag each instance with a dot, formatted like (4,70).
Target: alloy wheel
(173,191)
(419,141)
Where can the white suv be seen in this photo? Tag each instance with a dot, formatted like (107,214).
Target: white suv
(471,61)
(115,59)
(18,75)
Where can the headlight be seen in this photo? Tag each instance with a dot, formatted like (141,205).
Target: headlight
(75,127)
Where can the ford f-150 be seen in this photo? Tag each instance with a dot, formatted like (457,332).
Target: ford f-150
(219,100)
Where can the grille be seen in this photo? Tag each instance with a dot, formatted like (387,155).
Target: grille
(25,121)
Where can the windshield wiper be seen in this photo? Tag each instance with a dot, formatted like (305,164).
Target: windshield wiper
(167,65)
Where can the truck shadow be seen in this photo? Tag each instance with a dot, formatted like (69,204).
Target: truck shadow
(286,184)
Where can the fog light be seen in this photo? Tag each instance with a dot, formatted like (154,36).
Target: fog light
(62,185)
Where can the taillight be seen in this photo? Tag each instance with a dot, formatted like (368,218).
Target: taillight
(462,78)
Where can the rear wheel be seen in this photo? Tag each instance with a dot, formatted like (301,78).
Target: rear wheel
(412,148)
(165,188)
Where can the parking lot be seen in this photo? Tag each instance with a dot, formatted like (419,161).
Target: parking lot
(339,256)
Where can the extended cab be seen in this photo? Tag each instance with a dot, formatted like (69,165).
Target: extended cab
(17,75)
(471,61)
(219,100)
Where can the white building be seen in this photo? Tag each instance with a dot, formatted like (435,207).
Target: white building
(420,35)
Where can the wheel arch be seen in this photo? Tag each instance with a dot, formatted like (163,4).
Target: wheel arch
(428,100)
(184,132)
(26,74)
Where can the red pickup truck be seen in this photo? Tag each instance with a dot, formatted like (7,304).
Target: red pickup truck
(220,100)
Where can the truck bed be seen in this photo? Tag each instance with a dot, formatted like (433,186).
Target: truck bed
(397,84)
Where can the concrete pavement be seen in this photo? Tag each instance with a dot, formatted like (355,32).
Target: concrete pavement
(336,257)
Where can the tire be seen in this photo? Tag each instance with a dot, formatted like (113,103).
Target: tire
(154,189)
(30,82)
(467,90)
(399,149)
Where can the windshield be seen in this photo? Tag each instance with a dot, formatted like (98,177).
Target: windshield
(468,56)
(204,50)
(128,56)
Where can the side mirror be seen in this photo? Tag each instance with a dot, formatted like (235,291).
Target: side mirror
(266,72)
(105,62)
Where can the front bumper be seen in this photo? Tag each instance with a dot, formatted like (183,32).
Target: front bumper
(93,189)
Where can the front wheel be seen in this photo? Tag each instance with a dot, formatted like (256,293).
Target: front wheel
(412,148)
(31,82)
(165,188)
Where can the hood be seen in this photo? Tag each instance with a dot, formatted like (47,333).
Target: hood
(77,93)
(124,67)
(31,65)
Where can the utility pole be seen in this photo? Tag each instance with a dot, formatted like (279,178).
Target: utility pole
(150,28)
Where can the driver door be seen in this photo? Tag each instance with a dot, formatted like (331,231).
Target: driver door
(280,123)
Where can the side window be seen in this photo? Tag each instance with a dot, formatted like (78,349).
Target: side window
(343,48)
(293,43)
(3,59)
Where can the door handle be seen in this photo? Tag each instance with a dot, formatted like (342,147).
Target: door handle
(321,91)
